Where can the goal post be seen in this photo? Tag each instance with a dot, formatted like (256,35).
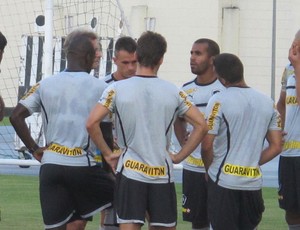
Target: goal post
(33,52)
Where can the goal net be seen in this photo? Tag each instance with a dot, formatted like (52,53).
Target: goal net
(23,64)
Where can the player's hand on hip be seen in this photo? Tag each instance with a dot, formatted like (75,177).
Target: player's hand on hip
(38,154)
(113,159)
(174,157)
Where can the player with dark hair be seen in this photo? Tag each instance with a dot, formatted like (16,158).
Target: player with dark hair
(145,108)
(3,43)
(124,58)
(199,91)
(72,187)
(126,63)
(239,119)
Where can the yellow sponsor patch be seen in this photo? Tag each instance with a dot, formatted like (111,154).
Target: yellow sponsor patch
(279,121)
(108,101)
(291,145)
(194,161)
(145,169)
(184,96)
(31,91)
(212,116)
(190,91)
(65,150)
(291,100)
(243,171)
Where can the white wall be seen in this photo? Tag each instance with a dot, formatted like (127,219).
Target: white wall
(249,27)
(181,23)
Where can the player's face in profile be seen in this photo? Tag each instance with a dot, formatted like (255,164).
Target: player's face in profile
(126,63)
(199,60)
(98,54)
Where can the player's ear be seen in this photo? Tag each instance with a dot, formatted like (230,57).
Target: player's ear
(161,60)
(211,60)
(89,58)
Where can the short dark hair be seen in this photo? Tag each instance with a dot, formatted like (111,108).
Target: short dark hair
(151,47)
(229,67)
(213,48)
(125,43)
(3,41)
(79,44)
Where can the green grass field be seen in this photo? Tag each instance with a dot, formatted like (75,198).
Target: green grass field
(20,208)
(5,121)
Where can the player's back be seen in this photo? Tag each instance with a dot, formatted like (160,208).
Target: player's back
(67,100)
(247,115)
(146,107)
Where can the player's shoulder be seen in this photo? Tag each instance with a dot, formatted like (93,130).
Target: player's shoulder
(260,97)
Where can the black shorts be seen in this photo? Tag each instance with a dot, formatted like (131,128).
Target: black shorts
(133,198)
(68,193)
(289,183)
(234,209)
(194,197)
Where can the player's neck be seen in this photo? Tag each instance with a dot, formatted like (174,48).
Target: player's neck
(241,84)
(206,78)
(77,67)
(146,71)
(117,76)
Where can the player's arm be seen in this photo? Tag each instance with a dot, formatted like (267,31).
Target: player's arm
(180,130)
(2,106)
(207,150)
(17,120)
(294,57)
(281,106)
(281,101)
(274,137)
(93,127)
(196,119)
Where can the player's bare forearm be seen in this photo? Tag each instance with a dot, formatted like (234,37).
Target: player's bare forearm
(274,138)
(281,107)
(180,130)
(93,128)
(196,119)
(207,150)
(17,120)
(95,132)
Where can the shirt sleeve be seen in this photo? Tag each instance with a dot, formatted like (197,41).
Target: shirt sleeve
(184,103)
(284,80)
(275,123)
(108,97)
(32,100)
(288,70)
(214,115)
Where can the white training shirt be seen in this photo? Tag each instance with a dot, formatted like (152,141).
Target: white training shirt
(65,101)
(291,146)
(199,94)
(145,109)
(240,119)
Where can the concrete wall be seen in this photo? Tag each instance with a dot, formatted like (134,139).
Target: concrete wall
(242,27)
